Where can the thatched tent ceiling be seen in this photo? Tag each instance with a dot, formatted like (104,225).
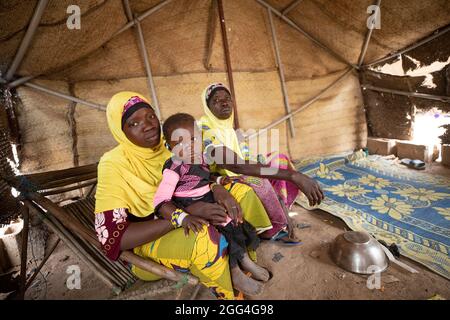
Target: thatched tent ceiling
(186,52)
(177,36)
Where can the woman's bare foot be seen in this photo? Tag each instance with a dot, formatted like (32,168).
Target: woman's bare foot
(246,285)
(258,272)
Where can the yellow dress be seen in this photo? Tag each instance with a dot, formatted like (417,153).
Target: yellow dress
(128,177)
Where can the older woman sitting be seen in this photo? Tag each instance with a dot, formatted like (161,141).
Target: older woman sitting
(278,189)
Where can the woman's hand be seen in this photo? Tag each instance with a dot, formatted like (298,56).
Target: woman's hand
(225,199)
(212,212)
(226,180)
(309,187)
(193,223)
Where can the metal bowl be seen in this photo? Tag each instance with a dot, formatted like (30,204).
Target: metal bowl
(358,252)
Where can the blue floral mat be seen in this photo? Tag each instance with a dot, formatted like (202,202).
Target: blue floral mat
(394,204)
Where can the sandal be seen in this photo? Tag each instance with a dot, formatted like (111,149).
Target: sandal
(413,164)
(282,237)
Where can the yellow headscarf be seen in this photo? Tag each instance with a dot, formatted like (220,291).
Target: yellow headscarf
(220,131)
(128,175)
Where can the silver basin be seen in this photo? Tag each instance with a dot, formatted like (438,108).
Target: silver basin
(358,252)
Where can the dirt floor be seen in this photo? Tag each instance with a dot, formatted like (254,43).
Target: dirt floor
(302,272)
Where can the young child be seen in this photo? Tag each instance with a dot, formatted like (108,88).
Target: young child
(186,180)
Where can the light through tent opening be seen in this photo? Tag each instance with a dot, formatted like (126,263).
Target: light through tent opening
(395,68)
(9,163)
(426,128)
(14,164)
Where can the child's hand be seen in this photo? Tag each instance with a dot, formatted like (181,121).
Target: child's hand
(193,223)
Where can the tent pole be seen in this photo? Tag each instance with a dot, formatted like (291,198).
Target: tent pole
(19,81)
(144,54)
(228,60)
(65,96)
(142,17)
(435,35)
(211,33)
(23,252)
(147,13)
(367,39)
(27,39)
(47,256)
(405,93)
(302,107)
(287,105)
(307,35)
(290,7)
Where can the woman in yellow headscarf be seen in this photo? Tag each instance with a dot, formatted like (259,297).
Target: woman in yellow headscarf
(277,189)
(128,177)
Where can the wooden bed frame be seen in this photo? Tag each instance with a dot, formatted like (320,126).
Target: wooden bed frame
(74,225)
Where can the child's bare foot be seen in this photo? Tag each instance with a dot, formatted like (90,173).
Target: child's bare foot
(246,285)
(258,272)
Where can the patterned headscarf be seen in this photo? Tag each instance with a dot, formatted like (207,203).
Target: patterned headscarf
(218,131)
(128,175)
(211,89)
(132,105)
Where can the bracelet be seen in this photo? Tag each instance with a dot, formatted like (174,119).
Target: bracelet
(212,185)
(177,217)
(219,179)
(181,218)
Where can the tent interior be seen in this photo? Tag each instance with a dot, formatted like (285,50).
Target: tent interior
(311,71)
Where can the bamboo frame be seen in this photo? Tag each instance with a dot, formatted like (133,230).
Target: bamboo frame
(408,94)
(65,96)
(291,6)
(212,21)
(367,40)
(19,81)
(91,190)
(226,49)
(24,80)
(67,223)
(25,43)
(287,105)
(30,281)
(27,39)
(56,227)
(144,55)
(435,35)
(75,220)
(24,252)
(78,186)
(45,177)
(302,107)
(142,17)
(306,34)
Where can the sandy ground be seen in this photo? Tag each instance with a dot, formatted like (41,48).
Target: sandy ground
(302,272)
